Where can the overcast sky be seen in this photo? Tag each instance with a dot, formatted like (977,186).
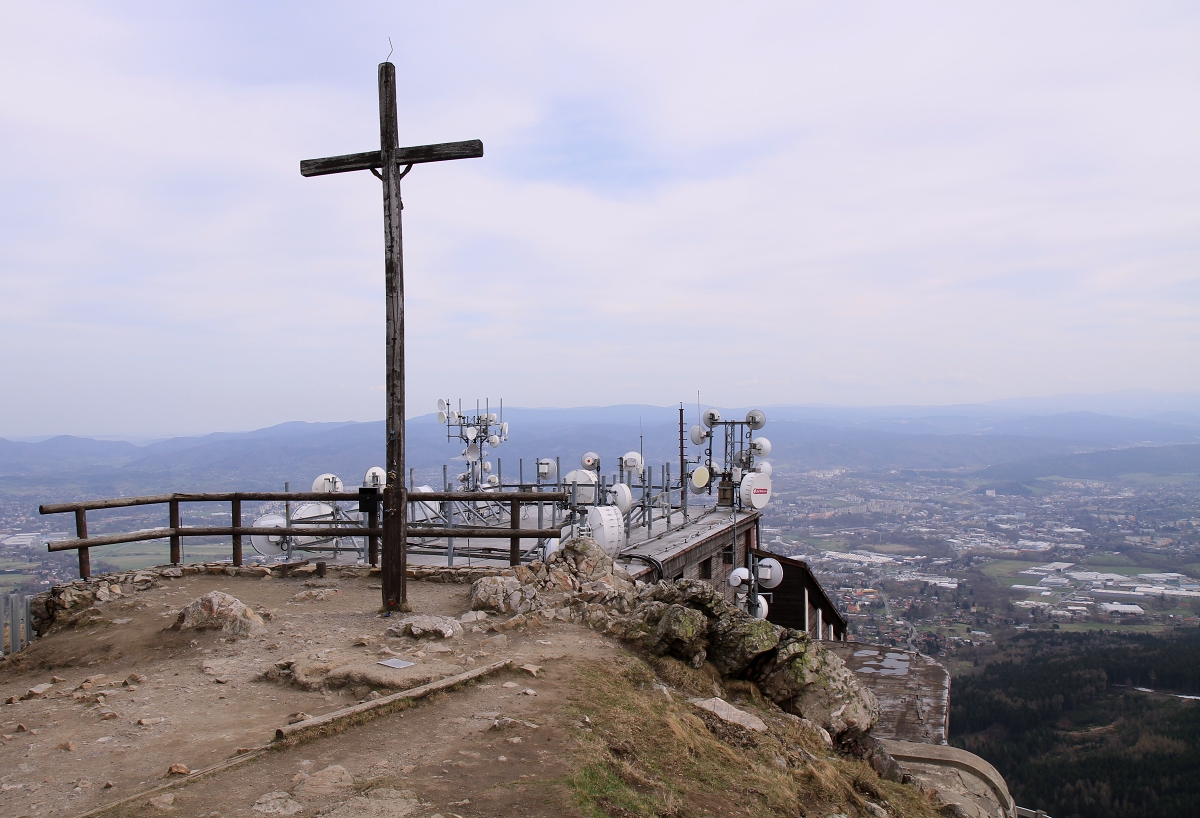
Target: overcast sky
(769,203)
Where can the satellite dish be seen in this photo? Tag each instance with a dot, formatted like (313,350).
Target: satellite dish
(492,417)
(590,460)
(327,482)
(760,447)
(454,416)
(494,440)
(471,432)
(756,490)
(758,611)
(710,417)
(739,577)
(493,480)
(766,468)
(487,467)
(547,468)
(441,405)
(755,419)
(608,528)
(701,477)
(586,479)
(443,417)
(268,545)
(310,512)
(699,434)
(504,428)
(632,461)
(770,573)
(472,453)
(622,497)
(375,477)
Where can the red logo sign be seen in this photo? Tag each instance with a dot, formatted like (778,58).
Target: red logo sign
(760,491)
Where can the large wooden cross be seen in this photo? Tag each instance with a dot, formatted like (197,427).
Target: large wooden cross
(390,163)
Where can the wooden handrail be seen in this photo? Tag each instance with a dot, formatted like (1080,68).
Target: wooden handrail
(267,496)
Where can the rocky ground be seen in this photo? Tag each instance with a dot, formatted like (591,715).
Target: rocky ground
(619,699)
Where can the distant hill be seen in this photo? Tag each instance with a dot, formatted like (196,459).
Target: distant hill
(1103,465)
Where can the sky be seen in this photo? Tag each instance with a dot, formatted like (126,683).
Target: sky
(855,204)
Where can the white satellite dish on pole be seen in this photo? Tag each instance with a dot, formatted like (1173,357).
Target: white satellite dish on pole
(710,417)
(375,477)
(441,405)
(622,497)
(755,489)
(471,432)
(327,482)
(765,468)
(608,528)
(442,418)
(472,453)
(590,460)
(268,545)
(700,479)
(758,611)
(760,447)
(699,434)
(547,468)
(586,480)
(632,462)
(756,419)
(770,573)
(493,440)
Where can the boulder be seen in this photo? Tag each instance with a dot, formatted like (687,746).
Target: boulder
(727,712)
(423,626)
(682,632)
(329,781)
(219,611)
(736,640)
(501,594)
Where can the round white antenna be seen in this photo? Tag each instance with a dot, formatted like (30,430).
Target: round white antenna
(760,447)
(441,405)
(547,468)
(375,477)
(493,417)
(700,479)
(632,462)
(622,497)
(586,479)
(758,611)
(493,440)
(699,434)
(487,467)
(493,480)
(268,545)
(590,460)
(443,417)
(770,573)
(471,432)
(765,468)
(710,417)
(739,576)
(755,490)
(327,482)
(504,428)
(472,453)
(454,416)
(756,419)
(608,528)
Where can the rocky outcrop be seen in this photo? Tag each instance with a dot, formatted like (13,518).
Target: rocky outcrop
(219,611)
(690,621)
(425,626)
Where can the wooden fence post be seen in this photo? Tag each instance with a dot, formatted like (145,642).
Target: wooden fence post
(85,556)
(514,522)
(237,538)
(176,552)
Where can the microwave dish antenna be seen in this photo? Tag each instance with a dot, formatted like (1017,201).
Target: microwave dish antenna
(701,477)
(327,482)
(739,577)
(756,419)
(471,433)
(710,418)
(441,405)
(487,467)
(755,490)
(621,497)
(632,462)
(608,528)
(760,447)
(472,453)
(375,477)
(493,480)
(269,545)
(586,480)
(770,573)
(590,460)
(442,418)
(758,608)
(699,434)
(765,468)
(547,469)
(493,440)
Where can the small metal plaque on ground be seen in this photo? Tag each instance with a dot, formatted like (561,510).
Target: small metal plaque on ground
(396,663)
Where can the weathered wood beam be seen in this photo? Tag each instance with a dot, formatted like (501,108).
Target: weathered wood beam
(416,155)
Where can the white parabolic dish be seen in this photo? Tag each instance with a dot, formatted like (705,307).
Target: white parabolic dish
(608,528)
(756,490)
(266,544)
(622,497)
(586,479)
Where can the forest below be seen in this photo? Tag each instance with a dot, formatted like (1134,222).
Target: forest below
(1060,715)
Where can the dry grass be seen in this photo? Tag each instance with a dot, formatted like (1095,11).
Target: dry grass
(643,754)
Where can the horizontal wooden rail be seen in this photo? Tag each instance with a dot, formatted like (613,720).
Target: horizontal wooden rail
(484,496)
(281,496)
(483,533)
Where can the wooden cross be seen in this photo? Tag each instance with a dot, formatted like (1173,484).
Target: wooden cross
(391,163)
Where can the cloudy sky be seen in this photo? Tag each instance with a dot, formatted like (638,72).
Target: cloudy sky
(770,203)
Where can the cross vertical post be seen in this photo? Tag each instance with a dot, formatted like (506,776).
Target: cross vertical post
(395,513)
(386,164)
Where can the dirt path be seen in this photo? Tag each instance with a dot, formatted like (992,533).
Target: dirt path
(203,698)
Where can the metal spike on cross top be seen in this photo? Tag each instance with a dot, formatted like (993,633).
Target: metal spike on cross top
(391,163)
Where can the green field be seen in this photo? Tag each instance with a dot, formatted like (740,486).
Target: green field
(1010,568)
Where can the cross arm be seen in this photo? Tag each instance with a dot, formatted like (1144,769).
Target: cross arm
(441,152)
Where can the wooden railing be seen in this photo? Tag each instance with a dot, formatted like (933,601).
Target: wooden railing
(367,498)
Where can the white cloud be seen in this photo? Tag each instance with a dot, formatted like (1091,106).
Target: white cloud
(789,203)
